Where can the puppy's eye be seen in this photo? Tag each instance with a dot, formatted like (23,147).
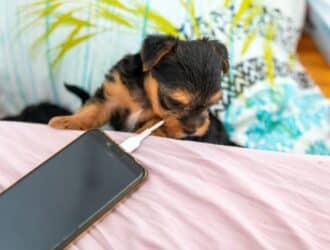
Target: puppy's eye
(173,103)
(163,103)
(169,103)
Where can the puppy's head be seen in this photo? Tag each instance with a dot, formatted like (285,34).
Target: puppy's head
(182,80)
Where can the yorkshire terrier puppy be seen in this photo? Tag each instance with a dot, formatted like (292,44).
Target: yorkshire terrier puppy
(169,79)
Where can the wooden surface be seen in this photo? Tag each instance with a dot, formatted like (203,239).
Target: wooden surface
(314,63)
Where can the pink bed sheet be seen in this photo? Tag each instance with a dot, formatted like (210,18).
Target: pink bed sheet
(197,196)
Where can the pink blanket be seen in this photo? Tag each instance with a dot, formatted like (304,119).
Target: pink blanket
(198,196)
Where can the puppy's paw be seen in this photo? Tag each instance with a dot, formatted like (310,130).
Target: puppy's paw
(66,122)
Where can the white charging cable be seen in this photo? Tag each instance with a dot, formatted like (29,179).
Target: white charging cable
(134,142)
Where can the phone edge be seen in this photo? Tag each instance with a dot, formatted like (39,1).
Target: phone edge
(103,211)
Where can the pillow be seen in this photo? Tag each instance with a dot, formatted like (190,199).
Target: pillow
(269,102)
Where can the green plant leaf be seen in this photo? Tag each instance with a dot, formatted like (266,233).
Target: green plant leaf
(245,4)
(72,41)
(110,16)
(37,4)
(105,9)
(292,56)
(157,21)
(227,3)
(65,19)
(248,41)
(255,11)
(41,14)
(268,54)
(117,4)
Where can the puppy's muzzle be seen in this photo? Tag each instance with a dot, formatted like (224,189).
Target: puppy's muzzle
(195,125)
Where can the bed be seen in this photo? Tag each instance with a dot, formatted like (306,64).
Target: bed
(197,196)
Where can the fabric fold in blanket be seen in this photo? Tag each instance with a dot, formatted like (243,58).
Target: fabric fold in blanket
(197,196)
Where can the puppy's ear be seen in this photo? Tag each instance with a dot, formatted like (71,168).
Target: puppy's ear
(221,50)
(154,48)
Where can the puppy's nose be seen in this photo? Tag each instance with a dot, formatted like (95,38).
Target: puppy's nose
(189,131)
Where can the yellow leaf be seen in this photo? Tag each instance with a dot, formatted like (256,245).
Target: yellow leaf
(114,17)
(268,54)
(256,10)
(157,21)
(247,42)
(245,4)
(48,9)
(41,14)
(41,3)
(69,43)
(291,58)
(66,19)
(227,2)
(117,4)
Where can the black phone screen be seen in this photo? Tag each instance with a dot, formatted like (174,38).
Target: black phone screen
(50,204)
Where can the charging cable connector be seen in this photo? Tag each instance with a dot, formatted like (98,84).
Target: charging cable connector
(132,143)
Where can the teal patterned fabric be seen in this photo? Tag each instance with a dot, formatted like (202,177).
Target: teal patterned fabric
(284,120)
(269,102)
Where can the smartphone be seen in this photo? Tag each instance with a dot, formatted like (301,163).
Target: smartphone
(58,200)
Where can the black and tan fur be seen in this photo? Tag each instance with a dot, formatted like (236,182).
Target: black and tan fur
(169,79)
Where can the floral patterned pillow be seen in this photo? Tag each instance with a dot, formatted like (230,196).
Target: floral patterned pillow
(269,102)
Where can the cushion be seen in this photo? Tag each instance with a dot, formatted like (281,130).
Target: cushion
(269,102)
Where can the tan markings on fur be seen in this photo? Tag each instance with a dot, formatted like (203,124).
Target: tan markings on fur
(200,131)
(96,114)
(123,97)
(151,88)
(216,97)
(225,66)
(148,65)
(172,127)
(118,91)
(146,115)
(182,96)
(90,116)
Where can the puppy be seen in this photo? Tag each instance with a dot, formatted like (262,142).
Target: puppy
(169,79)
